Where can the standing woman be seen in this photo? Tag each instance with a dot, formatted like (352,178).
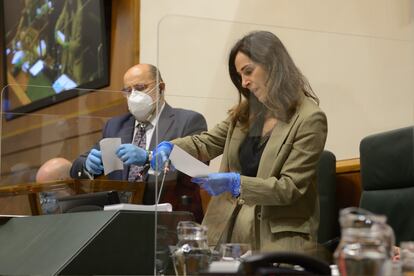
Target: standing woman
(266,192)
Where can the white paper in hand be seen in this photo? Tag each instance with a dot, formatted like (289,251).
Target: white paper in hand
(187,164)
(110,161)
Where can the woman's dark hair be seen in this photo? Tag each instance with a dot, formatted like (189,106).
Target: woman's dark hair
(285,82)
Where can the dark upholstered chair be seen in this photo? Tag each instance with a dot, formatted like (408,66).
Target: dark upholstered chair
(387,175)
(328,227)
(268,264)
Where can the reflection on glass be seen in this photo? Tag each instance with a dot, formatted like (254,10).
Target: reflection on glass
(234,251)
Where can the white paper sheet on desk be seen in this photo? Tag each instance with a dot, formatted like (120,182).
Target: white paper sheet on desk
(110,161)
(187,164)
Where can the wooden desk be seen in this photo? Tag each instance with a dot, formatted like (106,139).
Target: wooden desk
(22,199)
(348,183)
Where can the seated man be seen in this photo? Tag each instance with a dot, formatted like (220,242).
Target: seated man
(54,169)
(144,89)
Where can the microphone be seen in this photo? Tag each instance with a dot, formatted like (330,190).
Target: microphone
(164,171)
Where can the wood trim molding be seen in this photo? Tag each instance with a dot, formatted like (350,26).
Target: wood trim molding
(348,165)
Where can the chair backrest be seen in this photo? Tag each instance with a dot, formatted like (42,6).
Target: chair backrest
(274,263)
(326,173)
(387,175)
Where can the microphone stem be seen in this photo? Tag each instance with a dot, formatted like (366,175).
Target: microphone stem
(161,186)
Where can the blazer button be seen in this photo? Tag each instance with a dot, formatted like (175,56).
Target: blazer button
(240,201)
(259,216)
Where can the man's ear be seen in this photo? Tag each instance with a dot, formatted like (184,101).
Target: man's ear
(161,86)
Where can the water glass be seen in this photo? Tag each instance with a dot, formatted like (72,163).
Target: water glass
(234,251)
(407,257)
(192,255)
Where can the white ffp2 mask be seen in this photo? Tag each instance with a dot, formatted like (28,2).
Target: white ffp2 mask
(141,105)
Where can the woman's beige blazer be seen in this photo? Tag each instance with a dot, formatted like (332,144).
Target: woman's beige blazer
(283,199)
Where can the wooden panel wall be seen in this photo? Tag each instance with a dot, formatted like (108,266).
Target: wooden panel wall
(1,53)
(72,127)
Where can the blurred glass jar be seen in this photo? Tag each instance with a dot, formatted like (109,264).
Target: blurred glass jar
(366,245)
(49,203)
(407,258)
(192,254)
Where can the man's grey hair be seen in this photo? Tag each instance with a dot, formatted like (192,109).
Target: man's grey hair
(155,72)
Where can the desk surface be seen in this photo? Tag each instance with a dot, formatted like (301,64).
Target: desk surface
(77,185)
(25,196)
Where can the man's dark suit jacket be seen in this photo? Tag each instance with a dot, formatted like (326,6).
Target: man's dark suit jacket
(172,123)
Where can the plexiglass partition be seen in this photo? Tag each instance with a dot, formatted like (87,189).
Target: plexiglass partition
(346,72)
(197,81)
(193,60)
(38,149)
(28,141)
(44,153)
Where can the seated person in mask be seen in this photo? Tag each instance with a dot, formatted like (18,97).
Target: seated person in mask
(142,83)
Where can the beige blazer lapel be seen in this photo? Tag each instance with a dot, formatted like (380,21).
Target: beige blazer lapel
(273,146)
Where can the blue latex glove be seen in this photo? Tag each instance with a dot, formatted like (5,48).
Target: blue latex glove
(93,162)
(161,156)
(217,183)
(131,154)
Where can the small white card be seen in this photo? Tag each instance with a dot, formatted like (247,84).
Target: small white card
(187,164)
(110,161)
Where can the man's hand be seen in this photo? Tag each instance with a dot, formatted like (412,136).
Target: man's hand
(93,162)
(161,156)
(131,154)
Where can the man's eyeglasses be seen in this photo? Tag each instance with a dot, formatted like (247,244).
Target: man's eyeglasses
(141,87)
